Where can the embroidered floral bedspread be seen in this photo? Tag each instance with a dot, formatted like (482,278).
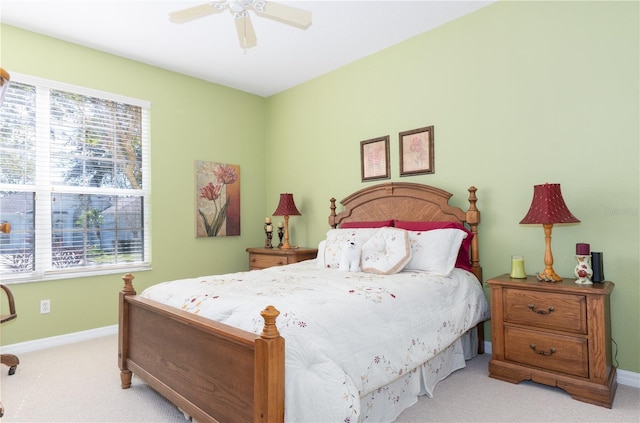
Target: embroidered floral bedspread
(346,334)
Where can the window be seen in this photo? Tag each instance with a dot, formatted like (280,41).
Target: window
(74,181)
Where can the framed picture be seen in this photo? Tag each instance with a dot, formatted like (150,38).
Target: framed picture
(416,151)
(217,194)
(374,158)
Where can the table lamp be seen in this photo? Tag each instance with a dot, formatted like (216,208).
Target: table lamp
(286,208)
(548,208)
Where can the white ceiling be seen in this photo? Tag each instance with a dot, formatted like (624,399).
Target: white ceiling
(207,48)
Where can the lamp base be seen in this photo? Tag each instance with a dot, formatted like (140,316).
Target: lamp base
(548,275)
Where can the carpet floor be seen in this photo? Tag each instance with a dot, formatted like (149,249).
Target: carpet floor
(81,383)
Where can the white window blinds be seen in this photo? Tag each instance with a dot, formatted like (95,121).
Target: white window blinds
(74,181)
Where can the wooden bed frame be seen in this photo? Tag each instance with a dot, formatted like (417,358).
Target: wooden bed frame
(217,373)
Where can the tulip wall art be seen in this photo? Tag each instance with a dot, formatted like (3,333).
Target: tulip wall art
(217,199)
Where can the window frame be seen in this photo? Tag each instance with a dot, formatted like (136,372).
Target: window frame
(44,191)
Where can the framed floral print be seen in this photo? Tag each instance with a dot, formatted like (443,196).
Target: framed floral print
(416,151)
(374,159)
(217,195)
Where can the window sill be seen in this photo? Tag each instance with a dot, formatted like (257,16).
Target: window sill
(73,274)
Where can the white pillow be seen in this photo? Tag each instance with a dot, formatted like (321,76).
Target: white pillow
(329,256)
(386,252)
(435,251)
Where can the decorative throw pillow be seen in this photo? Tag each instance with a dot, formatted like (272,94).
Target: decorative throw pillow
(367,224)
(336,241)
(435,251)
(386,252)
(463,260)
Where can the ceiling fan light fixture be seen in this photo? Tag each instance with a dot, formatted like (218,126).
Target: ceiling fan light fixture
(238,6)
(288,15)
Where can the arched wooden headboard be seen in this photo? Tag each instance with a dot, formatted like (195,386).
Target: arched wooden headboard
(410,202)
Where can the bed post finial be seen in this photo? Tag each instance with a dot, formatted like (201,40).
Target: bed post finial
(472,198)
(473,219)
(270,330)
(473,215)
(127,289)
(332,215)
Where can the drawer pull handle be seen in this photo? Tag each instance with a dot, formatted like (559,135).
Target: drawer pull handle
(540,311)
(533,347)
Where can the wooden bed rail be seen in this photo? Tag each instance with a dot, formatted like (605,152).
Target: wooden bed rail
(211,371)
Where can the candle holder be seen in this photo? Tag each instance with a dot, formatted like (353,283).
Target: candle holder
(268,230)
(517,268)
(583,269)
(280,235)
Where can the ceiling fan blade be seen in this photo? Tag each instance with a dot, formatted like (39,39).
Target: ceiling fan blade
(289,15)
(244,27)
(191,13)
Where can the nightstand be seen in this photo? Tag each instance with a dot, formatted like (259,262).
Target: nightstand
(261,258)
(557,334)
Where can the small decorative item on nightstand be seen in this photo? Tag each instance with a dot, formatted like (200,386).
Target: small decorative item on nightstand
(517,268)
(280,233)
(598,267)
(583,269)
(268,230)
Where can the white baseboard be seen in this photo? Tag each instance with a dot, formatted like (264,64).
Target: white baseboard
(56,341)
(624,377)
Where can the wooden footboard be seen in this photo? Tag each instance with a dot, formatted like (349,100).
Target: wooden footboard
(211,371)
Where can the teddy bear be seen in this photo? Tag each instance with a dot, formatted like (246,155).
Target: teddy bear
(350,258)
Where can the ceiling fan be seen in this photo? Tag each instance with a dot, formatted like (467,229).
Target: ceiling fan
(289,15)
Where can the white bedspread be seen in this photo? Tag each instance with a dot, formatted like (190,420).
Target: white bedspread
(346,334)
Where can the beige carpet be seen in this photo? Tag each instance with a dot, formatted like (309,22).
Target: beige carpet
(81,383)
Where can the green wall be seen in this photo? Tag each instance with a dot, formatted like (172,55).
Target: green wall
(190,120)
(520,93)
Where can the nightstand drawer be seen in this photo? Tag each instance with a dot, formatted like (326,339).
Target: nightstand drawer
(262,261)
(562,312)
(557,353)
(262,258)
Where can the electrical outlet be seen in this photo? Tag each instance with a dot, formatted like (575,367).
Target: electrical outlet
(45,306)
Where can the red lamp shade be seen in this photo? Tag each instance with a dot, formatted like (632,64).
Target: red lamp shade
(286,207)
(548,206)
